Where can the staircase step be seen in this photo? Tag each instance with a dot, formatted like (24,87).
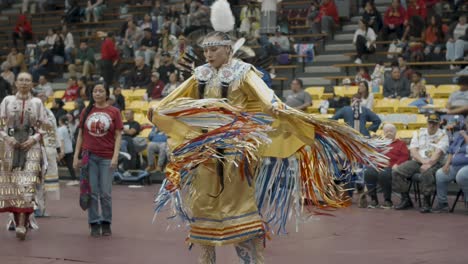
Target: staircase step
(340,47)
(355,19)
(321,69)
(59,85)
(350,27)
(332,58)
(347,36)
(315,81)
(382,2)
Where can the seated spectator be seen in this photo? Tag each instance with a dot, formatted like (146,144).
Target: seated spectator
(84,61)
(435,36)
(250,19)
(299,98)
(413,37)
(23,30)
(124,26)
(94,8)
(416,8)
(73,90)
(140,76)
(199,17)
(51,37)
(171,85)
(166,68)
(7,74)
(457,43)
(280,42)
(362,75)
(131,42)
(423,98)
(58,50)
(458,101)
(57,108)
(43,64)
(130,131)
(405,70)
(396,86)
(44,85)
(119,99)
(427,149)
(181,48)
(167,41)
(397,154)
(147,23)
(157,145)
(394,19)
(372,17)
(148,47)
(356,116)
(26,3)
(367,98)
(73,13)
(16,61)
(155,88)
(69,44)
(454,169)
(86,91)
(364,40)
(327,18)
(416,79)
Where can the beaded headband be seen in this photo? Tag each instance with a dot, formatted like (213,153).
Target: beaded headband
(216,43)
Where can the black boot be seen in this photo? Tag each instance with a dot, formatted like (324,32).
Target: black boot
(95,230)
(405,202)
(426,207)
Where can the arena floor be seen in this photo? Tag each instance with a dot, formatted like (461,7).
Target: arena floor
(354,235)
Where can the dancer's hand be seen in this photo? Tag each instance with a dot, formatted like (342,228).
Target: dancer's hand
(76,164)
(12,142)
(114,162)
(27,145)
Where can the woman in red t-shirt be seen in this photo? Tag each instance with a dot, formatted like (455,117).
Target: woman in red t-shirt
(98,143)
(397,154)
(73,90)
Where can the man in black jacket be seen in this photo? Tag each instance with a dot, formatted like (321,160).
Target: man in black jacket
(140,76)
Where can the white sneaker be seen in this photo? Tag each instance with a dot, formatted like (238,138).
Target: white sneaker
(358,61)
(73,183)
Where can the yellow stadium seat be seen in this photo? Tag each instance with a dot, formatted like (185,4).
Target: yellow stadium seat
(59,94)
(314,109)
(326,96)
(444,91)
(386,105)
(379,94)
(69,106)
(405,134)
(315,92)
(430,89)
(141,118)
(138,106)
(48,105)
(138,94)
(403,106)
(346,91)
(127,93)
(440,103)
(421,121)
(145,132)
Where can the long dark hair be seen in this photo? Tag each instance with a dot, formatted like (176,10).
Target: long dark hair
(90,106)
(367,89)
(437,27)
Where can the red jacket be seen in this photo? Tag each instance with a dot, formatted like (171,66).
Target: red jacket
(398,153)
(23,25)
(109,51)
(395,17)
(419,9)
(329,9)
(72,93)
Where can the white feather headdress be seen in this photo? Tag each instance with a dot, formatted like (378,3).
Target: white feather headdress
(221,17)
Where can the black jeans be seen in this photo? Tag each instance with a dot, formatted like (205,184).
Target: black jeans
(69,163)
(25,37)
(107,73)
(361,47)
(386,31)
(373,177)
